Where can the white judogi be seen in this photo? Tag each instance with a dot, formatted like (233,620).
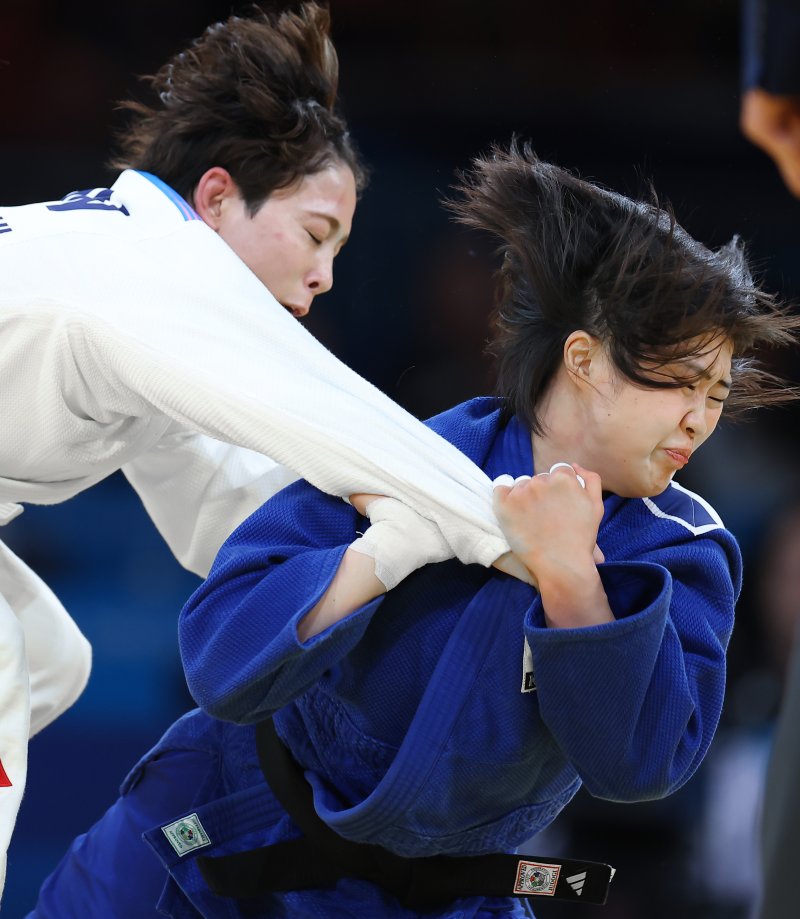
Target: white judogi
(132,337)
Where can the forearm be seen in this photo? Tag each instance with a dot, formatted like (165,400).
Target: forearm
(240,635)
(252,635)
(353,585)
(573,595)
(398,542)
(239,630)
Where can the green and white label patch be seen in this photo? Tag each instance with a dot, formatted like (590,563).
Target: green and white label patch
(186,834)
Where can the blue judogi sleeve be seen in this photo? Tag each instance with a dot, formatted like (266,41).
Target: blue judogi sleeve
(635,703)
(238,632)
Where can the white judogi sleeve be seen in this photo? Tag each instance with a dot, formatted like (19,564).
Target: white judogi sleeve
(251,375)
(198,490)
(235,365)
(167,321)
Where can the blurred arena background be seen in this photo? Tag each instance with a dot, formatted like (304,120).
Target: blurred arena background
(624,92)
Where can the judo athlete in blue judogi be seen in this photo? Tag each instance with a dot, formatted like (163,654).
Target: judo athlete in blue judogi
(442,709)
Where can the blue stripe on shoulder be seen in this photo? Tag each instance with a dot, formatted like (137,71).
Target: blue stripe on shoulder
(183,206)
(685,508)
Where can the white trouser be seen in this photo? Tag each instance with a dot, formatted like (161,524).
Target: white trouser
(44,667)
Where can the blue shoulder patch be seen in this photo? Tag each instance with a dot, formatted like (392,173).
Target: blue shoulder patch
(93,199)
(685,508)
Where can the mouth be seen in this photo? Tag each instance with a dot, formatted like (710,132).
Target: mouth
(679,457)
(297,311)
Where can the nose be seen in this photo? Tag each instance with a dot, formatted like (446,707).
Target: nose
(320,279)
(695,421)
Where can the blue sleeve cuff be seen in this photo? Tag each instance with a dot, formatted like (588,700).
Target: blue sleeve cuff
(637,592)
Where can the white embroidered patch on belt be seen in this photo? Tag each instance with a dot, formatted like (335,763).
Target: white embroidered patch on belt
(186,834)
(528,682)
(533,877)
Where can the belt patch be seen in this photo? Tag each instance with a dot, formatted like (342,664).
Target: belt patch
(186,834)
(536,878)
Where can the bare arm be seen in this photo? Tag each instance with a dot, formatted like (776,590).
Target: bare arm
(398,541)
(353,585)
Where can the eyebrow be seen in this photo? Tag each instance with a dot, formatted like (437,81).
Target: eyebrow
(703,372)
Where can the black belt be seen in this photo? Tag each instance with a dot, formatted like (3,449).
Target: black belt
(322,857)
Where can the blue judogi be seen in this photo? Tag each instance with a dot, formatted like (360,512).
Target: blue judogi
(444,717)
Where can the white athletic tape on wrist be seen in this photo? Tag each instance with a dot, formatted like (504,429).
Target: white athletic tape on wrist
(399,541)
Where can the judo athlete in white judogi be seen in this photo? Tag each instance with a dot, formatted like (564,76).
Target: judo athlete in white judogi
(138,333)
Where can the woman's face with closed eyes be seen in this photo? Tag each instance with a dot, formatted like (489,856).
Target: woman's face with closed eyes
(647,435)
(291,241)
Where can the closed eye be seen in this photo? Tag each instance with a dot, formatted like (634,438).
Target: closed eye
(316,240)
(692,387)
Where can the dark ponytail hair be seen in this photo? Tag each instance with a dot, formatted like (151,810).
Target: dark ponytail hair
(577,256)
(256,96)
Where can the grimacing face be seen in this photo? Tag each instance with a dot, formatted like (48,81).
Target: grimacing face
(291,241)
(637,438)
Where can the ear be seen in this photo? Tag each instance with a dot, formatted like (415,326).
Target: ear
(216,185)
(580,351)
